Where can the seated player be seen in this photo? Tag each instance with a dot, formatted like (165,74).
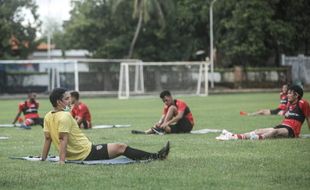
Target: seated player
(176,118)
(61,129)
(80,111)
(278,111)
(30,110)
(296,112)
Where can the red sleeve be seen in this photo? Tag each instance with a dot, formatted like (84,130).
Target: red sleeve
(21,107)
(305,107)
(83,109)
(74,111)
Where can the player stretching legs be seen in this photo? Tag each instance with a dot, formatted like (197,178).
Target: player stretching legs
(296,112)
(277,111)
(30,110)
(176,117)
(62,130)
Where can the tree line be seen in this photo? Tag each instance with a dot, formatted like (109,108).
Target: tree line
(246,32)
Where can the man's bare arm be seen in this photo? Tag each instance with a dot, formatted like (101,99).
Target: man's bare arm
(46,146)
(63,138)
(173,120)
(16,117)
(308,122)
(161,120)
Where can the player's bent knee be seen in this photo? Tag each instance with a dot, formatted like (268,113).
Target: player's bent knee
(116,148)
(173,108)
(121,147)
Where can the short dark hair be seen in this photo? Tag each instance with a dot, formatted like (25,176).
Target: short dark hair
(298,90)
(75,94)
(164,93)
(57,94)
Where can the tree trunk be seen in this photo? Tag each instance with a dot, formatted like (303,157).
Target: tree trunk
(133,42)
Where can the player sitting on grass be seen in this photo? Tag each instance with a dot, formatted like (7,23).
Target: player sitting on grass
(80,111)
(278,111)
(30,110)
(176,118)
(61,129)
(296,112)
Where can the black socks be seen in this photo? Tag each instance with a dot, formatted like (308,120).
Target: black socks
(136,154)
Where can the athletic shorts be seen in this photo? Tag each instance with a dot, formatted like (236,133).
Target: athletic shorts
(98,152)
(34,121)
(182,126)
(85,125)
(290,130)
(275,111)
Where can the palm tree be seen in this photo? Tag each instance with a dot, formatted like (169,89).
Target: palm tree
(142,10)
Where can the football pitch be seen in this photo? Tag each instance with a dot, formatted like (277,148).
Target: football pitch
(195,161)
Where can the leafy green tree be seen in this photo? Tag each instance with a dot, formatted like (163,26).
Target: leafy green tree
(94,27)
(13,26)
(143,10)
(253,32)
(296,16)
(249,33)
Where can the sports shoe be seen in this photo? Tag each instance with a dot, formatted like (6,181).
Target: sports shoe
(253,136)
(242,113)
(224,131)
(137,132)
(163,153)
(25,126)
(225,136)
(158,131)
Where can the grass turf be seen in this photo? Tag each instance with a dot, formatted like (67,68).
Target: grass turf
(195,161)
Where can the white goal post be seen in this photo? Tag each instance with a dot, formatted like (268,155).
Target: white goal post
(124,76)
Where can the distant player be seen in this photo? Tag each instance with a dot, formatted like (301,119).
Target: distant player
(61,129)
(30,110)
(80,111)
(296,112)
(278,111)
(176,117)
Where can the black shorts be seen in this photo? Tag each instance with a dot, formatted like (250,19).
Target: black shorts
(98,152)
(85,125)
(182,126)
(38,121)
(275,111)
(290,130)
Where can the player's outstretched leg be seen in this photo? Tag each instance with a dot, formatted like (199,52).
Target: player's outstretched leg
(136,154)
(138,132)
(117,149)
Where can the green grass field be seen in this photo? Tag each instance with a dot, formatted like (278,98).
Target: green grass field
(195,161)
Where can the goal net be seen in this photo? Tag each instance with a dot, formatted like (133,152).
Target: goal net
(142,78)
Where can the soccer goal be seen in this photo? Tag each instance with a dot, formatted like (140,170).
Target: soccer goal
(142,78)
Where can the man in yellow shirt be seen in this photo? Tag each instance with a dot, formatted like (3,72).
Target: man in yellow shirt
(62,129)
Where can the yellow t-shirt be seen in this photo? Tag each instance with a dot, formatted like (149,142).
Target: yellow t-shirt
(78,147)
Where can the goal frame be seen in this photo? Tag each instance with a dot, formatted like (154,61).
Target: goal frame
(139,76)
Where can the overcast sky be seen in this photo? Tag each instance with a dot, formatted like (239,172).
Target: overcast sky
(56,9)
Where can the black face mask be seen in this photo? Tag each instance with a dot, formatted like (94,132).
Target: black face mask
(32,100)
